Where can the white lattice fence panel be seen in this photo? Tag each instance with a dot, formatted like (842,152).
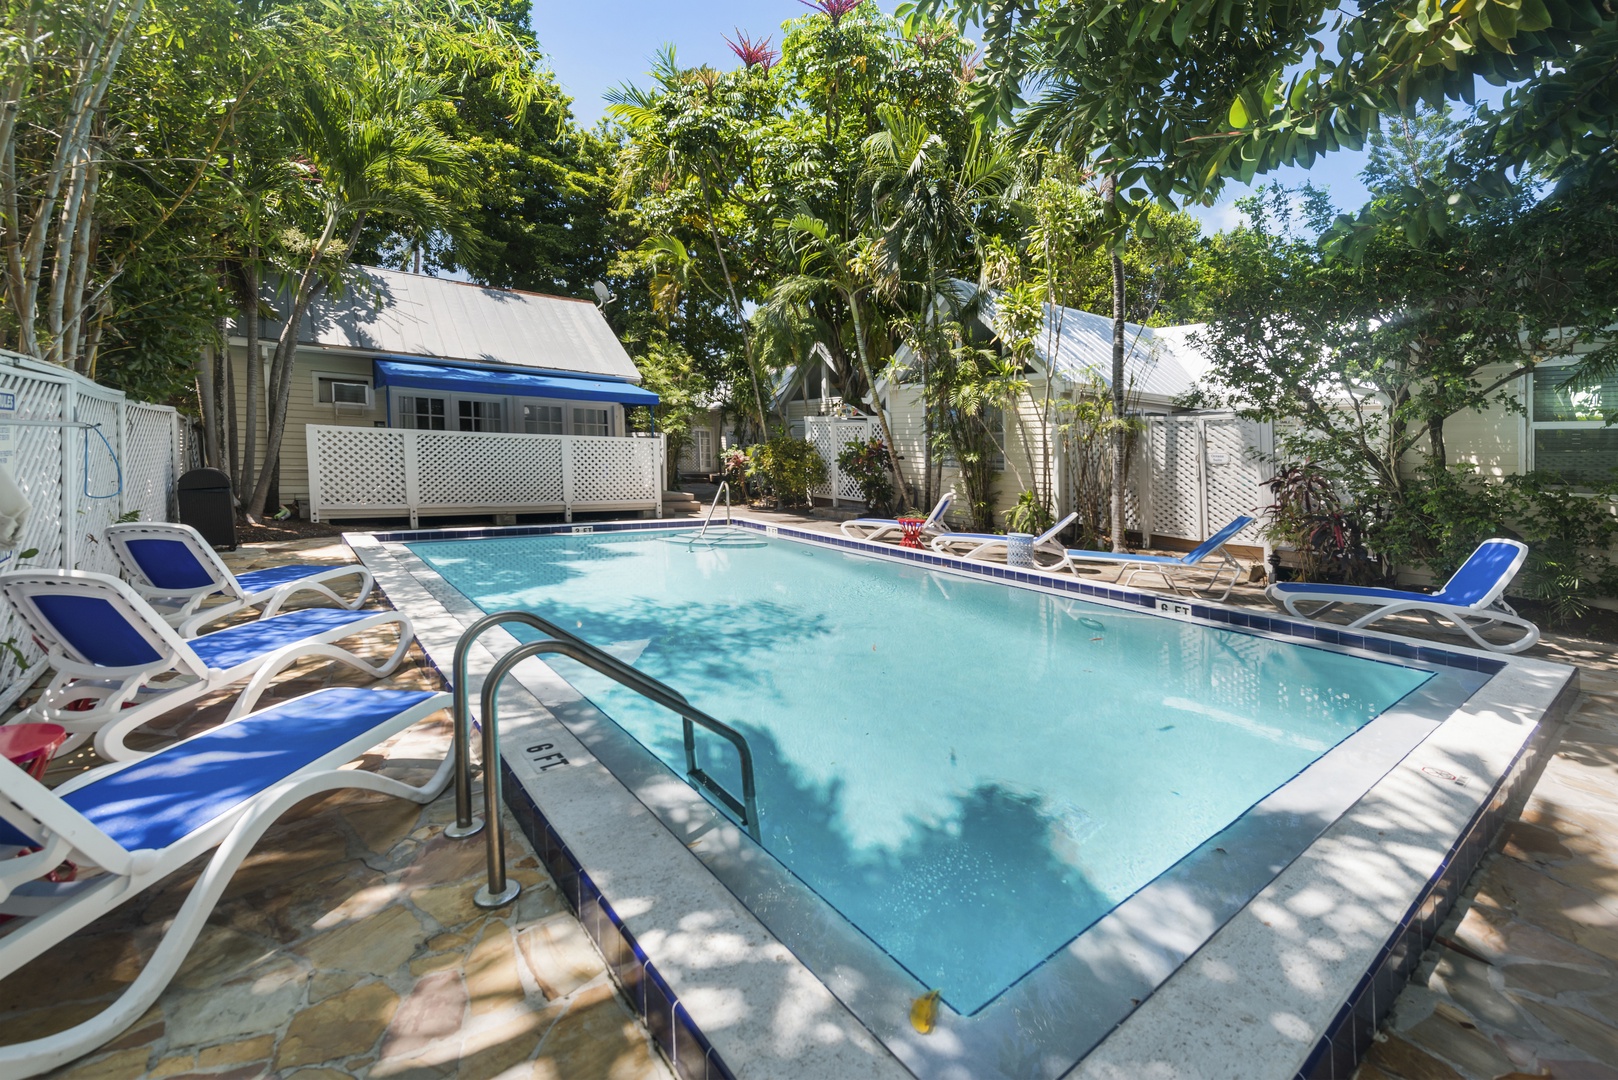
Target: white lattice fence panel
(1175,479)
(1233,474)
(357,468)
(607,470)
(151,451)
(461,470)
(36,463)
(828,435)
(817,431)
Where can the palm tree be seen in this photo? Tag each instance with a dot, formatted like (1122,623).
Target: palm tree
(925,202)
(667,148)
(843,266)
(369,146)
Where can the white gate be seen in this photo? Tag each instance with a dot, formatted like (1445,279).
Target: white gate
(1197,472)
(399,472)
(828,435)
(84,458)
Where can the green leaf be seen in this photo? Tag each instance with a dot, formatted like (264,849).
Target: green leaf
(1238,114)
(1534,16)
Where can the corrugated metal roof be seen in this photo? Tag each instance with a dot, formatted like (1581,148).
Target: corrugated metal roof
(1159,361)
(404,314)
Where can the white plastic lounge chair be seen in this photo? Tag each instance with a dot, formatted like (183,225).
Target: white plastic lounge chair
(129,825)
(1471,600)
(118,664)
(1170,568)
(982,545)
(891,529)
(175,569)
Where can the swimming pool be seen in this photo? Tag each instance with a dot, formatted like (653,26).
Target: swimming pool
(936,754)
(1269,949)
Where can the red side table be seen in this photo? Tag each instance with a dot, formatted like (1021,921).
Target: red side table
(30,746)
(912,531)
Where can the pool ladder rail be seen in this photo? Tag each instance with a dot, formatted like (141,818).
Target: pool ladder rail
(724,489)
(559,642)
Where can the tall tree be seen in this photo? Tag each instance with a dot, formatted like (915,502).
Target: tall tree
(1124,91)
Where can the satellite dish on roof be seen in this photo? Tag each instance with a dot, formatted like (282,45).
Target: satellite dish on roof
(604,295)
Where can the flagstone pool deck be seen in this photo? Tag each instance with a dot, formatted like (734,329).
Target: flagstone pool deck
(347,945)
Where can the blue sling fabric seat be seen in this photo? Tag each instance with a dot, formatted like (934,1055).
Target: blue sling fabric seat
(176,570)
(1168,567)
(118,664)
(1471,600)
(131,824)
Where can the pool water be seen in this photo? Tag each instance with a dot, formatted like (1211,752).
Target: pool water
(970,773)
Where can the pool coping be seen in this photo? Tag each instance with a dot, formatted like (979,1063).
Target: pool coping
(1332,871)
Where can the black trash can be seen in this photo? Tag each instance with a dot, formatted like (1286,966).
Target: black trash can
(206,506)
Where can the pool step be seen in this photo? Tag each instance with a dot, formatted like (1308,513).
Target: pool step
(676,503)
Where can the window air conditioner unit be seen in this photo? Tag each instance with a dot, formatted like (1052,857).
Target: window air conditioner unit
(351,393)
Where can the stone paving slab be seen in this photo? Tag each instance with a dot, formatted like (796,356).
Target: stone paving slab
(347,945)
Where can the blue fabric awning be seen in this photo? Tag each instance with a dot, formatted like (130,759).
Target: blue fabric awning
(422,376)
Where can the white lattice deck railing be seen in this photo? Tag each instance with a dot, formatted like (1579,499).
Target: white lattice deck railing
(397,472)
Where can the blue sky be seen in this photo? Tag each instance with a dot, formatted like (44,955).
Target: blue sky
(599,44)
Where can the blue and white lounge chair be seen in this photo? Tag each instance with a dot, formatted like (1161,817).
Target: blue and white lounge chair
(175,569)
(982,545)
(129,825)
(1472,600)
(890,528)
(1170,568)
(118,664)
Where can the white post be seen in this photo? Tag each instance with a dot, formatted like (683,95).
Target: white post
(317,495)
(567,477)
(72,481)
(412,476)
(659,469)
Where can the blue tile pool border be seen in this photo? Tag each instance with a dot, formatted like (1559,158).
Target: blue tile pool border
(1341,1048)
(1336,1053)
(1236,618)
(648,994)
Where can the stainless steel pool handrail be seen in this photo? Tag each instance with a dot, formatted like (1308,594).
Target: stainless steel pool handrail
(465,825)
(499,891)
(724,489)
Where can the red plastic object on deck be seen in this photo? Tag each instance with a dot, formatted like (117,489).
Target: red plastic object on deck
(912,531)
(30,746)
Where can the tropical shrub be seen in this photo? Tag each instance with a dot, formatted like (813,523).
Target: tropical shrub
(789,467)
(1030,515)
(870,465)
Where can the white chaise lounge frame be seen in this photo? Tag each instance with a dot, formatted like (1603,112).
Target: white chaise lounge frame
(883,529)
(182,607)
(124,698)
(56,911)
(1488,610)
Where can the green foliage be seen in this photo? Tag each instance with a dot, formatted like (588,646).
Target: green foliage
(789,468)
(1448,512)
(668,371)
(1030,515)
(869,464)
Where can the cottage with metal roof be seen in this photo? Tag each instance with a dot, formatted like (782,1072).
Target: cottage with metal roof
(405,351)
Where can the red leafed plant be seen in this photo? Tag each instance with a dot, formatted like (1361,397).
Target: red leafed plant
(753,53)
(833,9)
